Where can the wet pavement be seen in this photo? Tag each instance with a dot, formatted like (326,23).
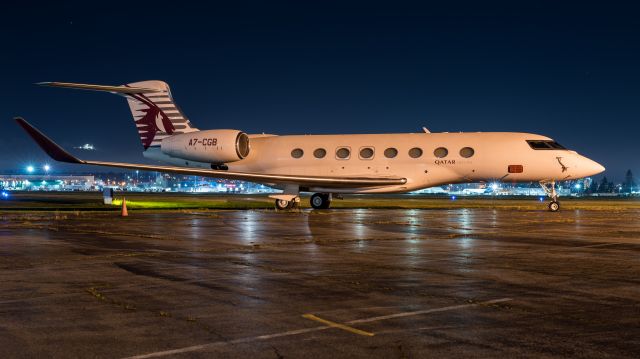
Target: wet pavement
(340,283)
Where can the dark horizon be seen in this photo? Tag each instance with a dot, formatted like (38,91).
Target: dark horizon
(567,71)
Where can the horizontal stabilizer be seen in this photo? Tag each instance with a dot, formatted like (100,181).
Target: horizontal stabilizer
(104,88)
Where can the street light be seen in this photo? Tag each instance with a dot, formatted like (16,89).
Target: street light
(47,168)
(30,169)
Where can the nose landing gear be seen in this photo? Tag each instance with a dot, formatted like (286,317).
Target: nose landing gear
(549,188)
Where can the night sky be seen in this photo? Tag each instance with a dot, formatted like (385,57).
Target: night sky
(570,71)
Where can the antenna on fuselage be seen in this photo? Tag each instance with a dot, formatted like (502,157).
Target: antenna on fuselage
(426,130)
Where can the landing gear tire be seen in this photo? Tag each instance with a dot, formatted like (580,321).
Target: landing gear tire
(549,188)
(320,200)
(282,205)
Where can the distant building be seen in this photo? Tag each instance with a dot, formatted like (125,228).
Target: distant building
(432,190)
(45,182)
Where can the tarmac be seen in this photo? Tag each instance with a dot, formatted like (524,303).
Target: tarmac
(383,283)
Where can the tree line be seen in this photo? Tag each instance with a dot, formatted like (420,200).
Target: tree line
(605,186)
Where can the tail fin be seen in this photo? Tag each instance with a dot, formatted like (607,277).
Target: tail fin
(155,113)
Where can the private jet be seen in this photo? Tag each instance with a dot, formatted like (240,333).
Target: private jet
(329,165)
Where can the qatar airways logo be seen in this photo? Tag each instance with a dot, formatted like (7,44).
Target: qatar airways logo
(445,162)
(153,121)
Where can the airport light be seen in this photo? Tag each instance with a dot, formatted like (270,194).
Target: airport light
(30,169)
(577,186)
(494,186)
(47,168)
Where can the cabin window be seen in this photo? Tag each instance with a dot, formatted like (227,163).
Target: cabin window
(440,152)
(390,152)
(415,152)
(343,153)
(466,152)
(319,153)
(366,153)
(297,153)
(545,145)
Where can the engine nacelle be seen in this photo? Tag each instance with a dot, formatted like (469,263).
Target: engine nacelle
(211,146)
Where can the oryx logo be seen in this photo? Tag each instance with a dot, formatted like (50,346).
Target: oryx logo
(564,168)
(153,121)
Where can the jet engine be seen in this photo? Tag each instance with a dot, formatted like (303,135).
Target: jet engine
(211,146)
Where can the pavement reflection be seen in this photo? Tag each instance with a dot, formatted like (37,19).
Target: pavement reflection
(447,282)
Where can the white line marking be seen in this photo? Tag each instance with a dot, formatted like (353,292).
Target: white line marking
(427,311)
(314,329)
(440,327)
(236,341)
(599,245)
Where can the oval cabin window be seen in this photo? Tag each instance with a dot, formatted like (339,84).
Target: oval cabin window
(467,152)
(366,153)
(297,153)
(319,153)
(343,153)
(390,152)
(441,152)
(415,152)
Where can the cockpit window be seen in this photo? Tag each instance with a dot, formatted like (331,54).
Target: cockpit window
(545,145)
(556,145)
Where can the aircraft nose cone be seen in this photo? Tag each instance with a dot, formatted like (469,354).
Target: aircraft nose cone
(594,167)
(585,167)
(598,168)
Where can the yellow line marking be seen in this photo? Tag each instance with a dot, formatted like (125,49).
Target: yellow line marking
(337,325)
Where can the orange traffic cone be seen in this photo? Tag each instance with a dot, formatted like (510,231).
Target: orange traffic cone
(124,207)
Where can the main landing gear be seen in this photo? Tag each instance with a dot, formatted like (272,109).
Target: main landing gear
(321,200)
(318,201)
(288,199)
(282,204)
(549,188)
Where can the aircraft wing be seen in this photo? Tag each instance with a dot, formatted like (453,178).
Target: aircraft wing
(59,154)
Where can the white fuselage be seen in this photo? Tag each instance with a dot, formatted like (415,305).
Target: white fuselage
(505,156)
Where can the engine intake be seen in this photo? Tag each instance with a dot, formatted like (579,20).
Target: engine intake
(211,146)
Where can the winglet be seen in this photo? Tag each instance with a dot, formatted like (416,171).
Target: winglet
(51,148)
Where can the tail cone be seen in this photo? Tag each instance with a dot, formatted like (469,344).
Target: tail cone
(124,207)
